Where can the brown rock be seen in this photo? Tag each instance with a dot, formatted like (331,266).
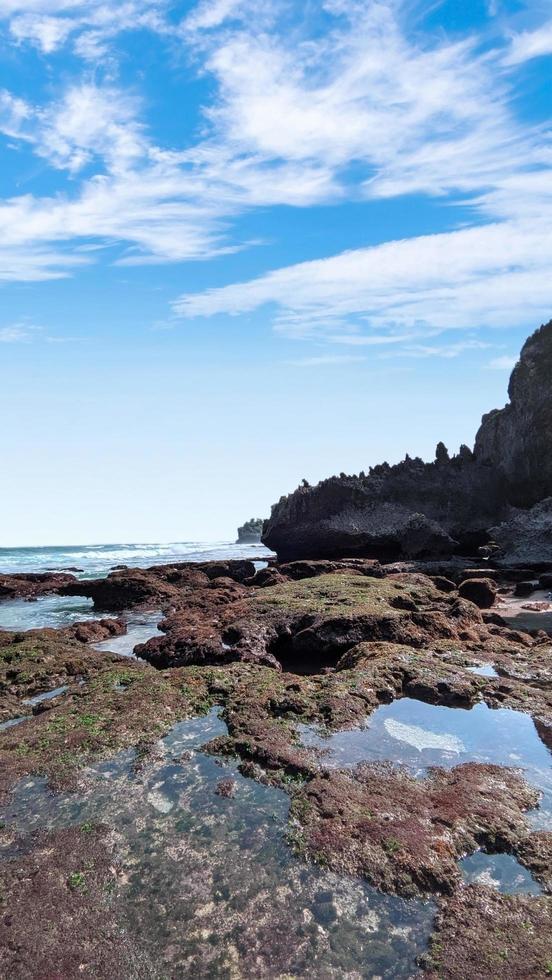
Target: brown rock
(483,935)
(481,591)
(29,586)
(405,835)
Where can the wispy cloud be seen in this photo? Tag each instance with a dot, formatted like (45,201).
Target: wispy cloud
(14,113)
(363,109)
(530,44)
(90,24)
(21,332)
(209,14)
(325,360)
(444,351)
(488,276)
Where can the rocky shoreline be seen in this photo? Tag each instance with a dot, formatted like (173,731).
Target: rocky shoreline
(299,769)
(323,644)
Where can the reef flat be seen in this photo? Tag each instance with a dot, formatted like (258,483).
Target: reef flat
(285,779)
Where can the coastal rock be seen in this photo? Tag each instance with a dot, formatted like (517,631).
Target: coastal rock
(481,935)
(157,586)
(110,703)
(414,510)
(32,585)
(250,532)
(58,917)
(405,835)
(123,590)
(517,440)
(303,625)
(481,591)
(526,539)
(423,510)
(306,626)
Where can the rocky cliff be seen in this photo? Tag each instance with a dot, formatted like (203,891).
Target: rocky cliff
(517,440)
(250,532)
(421,510)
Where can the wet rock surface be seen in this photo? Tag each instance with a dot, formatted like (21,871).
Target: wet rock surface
(69,876)
(310,624)
(316,644)
(406,835)
(482,934)
(31,585)
(155,586)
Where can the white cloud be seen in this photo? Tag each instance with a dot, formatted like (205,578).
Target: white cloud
(443,351)
(90,122)
(503,363)
(488,276)
(363,109)
(29,262)
(212,13)
(14,113)
(17,333)
(530,44)
(42,30)
(407,112)
(48,24)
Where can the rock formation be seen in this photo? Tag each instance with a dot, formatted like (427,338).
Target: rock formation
(30,585)
(526,539)
(250,532)
(422,510)
(254,661)
(517,440)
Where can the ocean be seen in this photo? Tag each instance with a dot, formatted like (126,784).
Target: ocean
(95,561)
(99,559)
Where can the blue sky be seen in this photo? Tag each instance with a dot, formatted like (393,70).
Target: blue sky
(244,242)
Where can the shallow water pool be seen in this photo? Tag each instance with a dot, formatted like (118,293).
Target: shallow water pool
(418,735)
(500,871)
(211,884)
(141,627)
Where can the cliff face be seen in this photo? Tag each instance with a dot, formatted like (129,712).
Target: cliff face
(412,510)
(419,510)
(517,440)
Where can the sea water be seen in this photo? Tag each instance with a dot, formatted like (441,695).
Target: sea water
(99,559)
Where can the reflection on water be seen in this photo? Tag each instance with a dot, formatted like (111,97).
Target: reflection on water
(13,721)
(486,670)
(500,871)
(47,696)
(212,886)
(418,735)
